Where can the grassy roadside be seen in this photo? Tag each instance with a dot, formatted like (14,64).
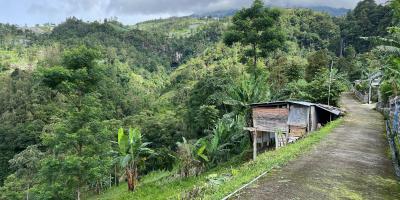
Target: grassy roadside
(270,160)
(219,182)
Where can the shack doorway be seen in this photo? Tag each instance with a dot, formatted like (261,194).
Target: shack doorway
(324,116)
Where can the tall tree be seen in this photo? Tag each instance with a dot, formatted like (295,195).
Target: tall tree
(257,27)
(367,19)
(78,147)
(395,5)
(78,142)
(317,62)
(22,116)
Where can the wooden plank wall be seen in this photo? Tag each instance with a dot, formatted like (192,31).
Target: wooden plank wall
(270,119)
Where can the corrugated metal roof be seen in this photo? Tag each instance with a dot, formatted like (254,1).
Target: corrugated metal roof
(332,109)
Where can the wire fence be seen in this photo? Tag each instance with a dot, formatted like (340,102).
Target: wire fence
(392,114)
(393,129)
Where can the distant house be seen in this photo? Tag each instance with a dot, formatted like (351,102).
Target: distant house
(277,123)
(373,94)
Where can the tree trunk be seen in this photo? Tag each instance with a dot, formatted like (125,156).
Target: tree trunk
(110,180)
(341,47)
(255,54)
(116,176)
(135,178)
(97,187)
(78,193)
(27,192)
(130,177)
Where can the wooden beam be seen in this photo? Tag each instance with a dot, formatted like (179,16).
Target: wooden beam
(249,129)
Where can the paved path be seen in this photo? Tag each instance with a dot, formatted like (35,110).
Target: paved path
(351,163)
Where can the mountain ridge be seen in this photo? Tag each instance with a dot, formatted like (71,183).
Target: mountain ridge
(335,12)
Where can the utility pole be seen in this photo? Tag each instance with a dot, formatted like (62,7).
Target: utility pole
(330,82)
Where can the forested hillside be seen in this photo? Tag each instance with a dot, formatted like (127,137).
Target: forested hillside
(86,106)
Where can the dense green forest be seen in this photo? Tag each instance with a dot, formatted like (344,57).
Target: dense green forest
(85,106)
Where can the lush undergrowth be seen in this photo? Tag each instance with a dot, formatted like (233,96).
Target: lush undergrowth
(181,86)
(183,26)
(219,182)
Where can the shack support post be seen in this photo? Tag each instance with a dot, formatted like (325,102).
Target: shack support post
(254,144)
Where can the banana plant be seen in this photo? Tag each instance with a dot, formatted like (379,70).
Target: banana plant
(191,158)
(133,151)
(220,143)
(246,91)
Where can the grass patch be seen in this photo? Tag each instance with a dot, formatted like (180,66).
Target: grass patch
(270,160)
(162,185)
(345,193)
(397,143)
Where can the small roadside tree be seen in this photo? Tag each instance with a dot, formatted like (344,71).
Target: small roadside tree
(319,92)
(133,153)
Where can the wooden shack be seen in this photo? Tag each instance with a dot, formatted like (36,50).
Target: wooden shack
(276,124)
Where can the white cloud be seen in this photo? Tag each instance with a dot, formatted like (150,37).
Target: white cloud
(130,11)
(172,6)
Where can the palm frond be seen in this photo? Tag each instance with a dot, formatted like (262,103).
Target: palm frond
(126,160)
(382,41)
(389,49)
(200,153)
(122,141)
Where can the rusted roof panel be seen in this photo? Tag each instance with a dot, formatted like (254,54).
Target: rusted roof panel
(331,109)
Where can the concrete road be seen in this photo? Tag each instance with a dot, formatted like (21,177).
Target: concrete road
(353,162)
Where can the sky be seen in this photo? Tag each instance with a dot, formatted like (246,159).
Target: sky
(31,12)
